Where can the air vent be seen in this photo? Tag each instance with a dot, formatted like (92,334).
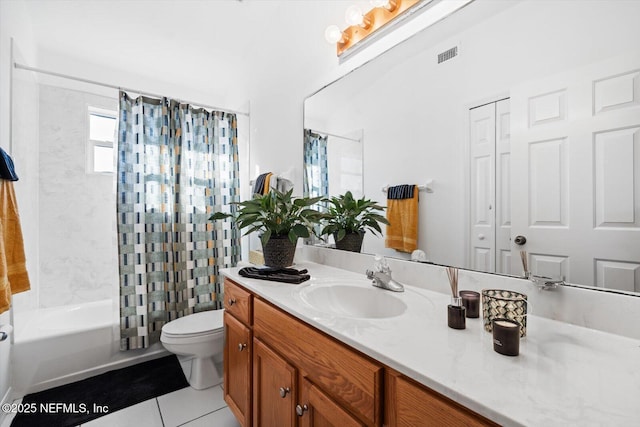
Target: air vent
(448,54)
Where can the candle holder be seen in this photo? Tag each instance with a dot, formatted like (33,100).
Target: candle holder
(506,336)
(500,303)
(456,314)
(471,302)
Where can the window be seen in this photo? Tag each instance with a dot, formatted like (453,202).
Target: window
(102,135)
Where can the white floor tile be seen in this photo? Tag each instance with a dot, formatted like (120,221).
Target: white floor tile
(220,418)
(144,414)
(188,404)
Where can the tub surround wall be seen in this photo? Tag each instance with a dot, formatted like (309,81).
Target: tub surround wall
(78,252)
(604,311)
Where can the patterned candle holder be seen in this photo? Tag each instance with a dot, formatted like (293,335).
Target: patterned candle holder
(503,304)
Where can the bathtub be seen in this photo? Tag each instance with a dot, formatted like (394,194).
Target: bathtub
(59,345)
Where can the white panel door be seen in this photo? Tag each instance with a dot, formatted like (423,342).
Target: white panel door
(482,147)
(503,188)
(575,172)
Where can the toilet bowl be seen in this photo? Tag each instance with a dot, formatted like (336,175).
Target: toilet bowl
(200,335)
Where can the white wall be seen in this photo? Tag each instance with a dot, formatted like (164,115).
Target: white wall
(344,161)
(414,111)
(15,23)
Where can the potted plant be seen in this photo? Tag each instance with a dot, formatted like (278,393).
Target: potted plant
(347,219)
(281,219)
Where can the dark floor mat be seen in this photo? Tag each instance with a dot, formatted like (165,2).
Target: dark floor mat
(82,401)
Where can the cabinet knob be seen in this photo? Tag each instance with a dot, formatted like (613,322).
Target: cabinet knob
(284,391)
(241,346)
(300,410)
(232,301)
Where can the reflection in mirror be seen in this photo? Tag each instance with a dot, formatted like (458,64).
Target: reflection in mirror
(532,129)
(332,163)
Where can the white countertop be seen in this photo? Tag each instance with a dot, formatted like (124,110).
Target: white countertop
(565,374)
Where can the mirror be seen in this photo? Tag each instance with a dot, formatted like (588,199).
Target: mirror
(532,129)
(332,163)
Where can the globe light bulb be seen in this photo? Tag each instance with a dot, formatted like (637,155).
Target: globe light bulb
(353,15)
(379,3)
(333,34)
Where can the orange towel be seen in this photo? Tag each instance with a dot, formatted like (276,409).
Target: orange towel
(402,231)
(13,270)
(267,182)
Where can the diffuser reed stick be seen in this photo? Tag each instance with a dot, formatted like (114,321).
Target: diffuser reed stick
(525,263)
(452,272)
(456,313)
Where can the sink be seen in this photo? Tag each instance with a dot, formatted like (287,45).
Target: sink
(353,301)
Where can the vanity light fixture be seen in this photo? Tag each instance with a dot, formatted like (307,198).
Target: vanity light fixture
(362,25)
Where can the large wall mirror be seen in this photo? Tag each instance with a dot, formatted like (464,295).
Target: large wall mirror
(531,130)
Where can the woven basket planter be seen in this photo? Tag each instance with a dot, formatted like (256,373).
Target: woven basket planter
(350,242)
(279,252)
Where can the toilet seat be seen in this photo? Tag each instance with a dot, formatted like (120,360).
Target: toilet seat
(195,325)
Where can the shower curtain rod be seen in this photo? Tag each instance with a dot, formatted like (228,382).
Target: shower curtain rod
(334,135)
(80,79)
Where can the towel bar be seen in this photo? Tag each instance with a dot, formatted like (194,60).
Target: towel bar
(428,187)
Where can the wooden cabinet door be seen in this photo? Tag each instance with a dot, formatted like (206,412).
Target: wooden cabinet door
(316,409)
(237,369)
(409,404)
(273,388)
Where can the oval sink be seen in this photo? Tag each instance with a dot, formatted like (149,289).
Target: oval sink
(354,301)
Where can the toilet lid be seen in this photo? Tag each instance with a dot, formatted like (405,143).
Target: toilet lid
(197,323)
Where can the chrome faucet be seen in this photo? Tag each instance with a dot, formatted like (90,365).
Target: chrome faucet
(542,282)
(381,277)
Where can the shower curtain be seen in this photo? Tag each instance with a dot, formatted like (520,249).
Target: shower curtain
(176,166)
(316,172)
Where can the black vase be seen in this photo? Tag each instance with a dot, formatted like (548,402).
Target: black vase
(350,242)
(278,252)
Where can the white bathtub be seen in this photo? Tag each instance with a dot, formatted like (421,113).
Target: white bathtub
(59,345)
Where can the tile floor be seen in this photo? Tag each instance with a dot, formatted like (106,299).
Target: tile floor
(186,407)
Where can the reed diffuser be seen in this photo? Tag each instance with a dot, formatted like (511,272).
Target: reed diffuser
(455,311)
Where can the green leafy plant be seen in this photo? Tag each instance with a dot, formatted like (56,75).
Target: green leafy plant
(347,215)
(276,214)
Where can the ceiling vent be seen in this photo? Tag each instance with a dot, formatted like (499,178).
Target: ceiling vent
(448,54)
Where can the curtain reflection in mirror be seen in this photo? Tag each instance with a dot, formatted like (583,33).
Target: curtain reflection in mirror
(316,171)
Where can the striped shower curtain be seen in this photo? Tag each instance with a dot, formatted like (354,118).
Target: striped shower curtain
(316,172)
(176,166)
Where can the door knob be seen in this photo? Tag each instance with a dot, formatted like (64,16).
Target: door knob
(480,236)
(241,346)
(232,301)
(284,391)
(520,240)
(300,410)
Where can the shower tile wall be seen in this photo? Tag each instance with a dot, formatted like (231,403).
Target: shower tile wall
(24,150)
(78,256)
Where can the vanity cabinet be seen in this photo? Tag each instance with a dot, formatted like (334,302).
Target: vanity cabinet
(280,371)
(274,386)
(410,404)
(319,410)
(238,349)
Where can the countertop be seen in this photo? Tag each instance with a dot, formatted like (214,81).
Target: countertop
(564,374)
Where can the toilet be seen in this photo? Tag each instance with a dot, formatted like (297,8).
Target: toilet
(200,335)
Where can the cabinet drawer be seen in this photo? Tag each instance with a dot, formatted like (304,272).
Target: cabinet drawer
(238,302)
(349,378)
(410,404)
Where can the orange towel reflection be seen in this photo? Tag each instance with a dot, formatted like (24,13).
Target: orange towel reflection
(402,231)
